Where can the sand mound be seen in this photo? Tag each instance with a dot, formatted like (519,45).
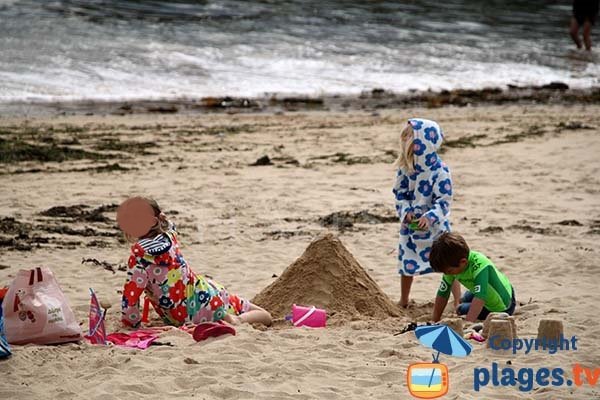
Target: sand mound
(329,277)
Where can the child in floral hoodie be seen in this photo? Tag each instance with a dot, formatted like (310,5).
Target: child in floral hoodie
(179,296)
(423,194)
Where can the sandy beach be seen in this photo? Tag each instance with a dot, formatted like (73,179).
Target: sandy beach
(526,184)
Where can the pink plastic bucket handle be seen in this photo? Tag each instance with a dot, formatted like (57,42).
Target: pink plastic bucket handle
(309,316)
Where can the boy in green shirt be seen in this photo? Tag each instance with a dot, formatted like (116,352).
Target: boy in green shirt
(488,289)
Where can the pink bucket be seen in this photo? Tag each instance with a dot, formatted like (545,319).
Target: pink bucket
(309,316)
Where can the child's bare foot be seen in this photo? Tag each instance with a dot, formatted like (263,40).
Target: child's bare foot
(254,315)
(233,319)
(407,304)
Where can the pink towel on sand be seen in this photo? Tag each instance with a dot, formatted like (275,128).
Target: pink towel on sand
(140,339)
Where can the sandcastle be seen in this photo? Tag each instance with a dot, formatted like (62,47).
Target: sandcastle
(550,329)
(498,316)
(498,327)
(500,330)
(456,324)
(327,276)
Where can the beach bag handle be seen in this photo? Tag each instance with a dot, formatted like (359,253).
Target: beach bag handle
(40,276)
(32,274)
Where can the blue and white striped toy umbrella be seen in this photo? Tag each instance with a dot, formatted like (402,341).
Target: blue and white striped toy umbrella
(443,339)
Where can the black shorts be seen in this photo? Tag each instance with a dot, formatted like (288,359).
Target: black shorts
(585,10)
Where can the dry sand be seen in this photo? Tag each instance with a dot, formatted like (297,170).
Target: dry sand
(535,168)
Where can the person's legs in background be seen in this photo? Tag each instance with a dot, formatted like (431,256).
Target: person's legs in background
(574,31)
(587,34)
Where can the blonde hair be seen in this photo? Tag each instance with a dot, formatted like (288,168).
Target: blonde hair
(406,158)
(161,226)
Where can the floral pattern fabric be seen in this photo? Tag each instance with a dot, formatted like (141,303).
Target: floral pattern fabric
(157,268)
(428,191)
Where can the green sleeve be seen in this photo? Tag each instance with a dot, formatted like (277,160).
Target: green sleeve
(482,279)
(445,286)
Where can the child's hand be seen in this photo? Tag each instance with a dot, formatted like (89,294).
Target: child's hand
(409,217)
(424,223)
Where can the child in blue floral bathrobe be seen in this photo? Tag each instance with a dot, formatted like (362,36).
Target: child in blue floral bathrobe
(423,192)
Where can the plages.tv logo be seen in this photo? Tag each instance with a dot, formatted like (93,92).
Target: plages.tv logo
(427,380)
(431,380)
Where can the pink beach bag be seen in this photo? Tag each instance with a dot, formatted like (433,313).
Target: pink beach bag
(36,310)
(309,316)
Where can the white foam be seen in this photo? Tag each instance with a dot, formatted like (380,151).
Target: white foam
(162,71)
